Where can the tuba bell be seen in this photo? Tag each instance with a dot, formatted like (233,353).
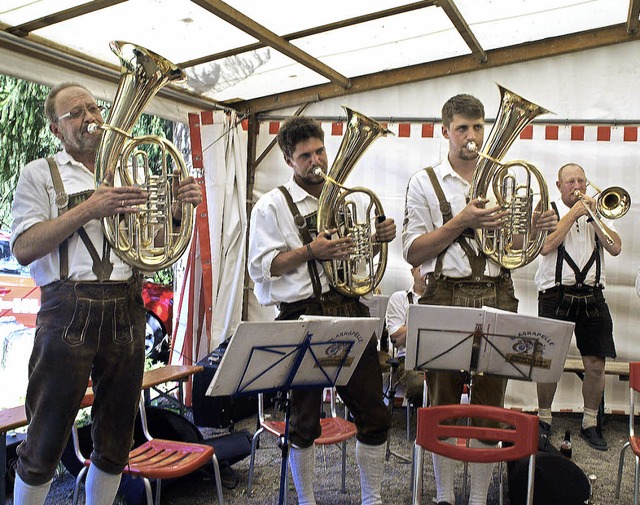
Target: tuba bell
(511,185)
(134,236)
(363,270)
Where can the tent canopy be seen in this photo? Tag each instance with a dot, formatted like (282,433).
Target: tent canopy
(261,56)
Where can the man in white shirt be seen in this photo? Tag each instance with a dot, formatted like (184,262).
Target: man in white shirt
(438,237)
(91,322)
(285,250)
(570,281)
(396,321)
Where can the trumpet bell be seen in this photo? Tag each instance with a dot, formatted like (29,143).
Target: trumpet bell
(613,202)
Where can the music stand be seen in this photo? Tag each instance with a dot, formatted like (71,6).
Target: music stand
(278,356)
(487,340)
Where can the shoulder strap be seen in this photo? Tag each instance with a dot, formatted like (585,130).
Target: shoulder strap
(62,202)
(301,223)
(102,267)
(477,261)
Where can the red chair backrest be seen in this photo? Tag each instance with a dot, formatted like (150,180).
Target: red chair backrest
(634,376)
(521,431)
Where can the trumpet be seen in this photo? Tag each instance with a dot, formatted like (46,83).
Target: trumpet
(612,203)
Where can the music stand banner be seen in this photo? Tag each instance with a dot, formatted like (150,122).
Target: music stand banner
(487,340)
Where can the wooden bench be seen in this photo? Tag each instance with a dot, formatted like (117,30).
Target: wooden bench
(16,417)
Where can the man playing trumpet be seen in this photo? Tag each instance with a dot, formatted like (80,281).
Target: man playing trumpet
(570,281)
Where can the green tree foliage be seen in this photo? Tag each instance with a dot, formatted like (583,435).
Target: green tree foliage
(25,135)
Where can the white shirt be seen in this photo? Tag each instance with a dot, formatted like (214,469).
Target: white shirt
(272,232)
(578,244)
(422,215)
(397,311)
(34,202)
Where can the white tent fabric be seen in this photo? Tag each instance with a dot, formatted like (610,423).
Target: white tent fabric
(211,295)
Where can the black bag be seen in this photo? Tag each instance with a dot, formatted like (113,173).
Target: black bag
(558,480)
(219,411)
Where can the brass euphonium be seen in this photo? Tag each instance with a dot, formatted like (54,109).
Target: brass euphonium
(363,270)
(515,244)
(134,236)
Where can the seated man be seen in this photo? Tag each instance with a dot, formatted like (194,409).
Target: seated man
(396,322)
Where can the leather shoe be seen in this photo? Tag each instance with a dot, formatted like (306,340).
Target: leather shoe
(594,438)
(544,429)
(443,503)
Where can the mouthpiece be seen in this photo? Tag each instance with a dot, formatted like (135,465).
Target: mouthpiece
(319,171)
(472,146)
(93,127)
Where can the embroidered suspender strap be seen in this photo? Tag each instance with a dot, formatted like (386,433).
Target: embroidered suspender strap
(410,297)
(476,261)
(62,202)
(301,223)
(101,267)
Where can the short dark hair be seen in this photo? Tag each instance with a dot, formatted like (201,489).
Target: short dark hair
(465,105)
(298,129)
(50,101)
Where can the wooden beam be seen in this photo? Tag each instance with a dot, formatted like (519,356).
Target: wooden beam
(248,25)
(463,28)
(632,16)
(51,19)
(55,54)
(555,46)
(312,31)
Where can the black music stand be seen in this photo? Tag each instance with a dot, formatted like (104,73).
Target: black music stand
(280,356)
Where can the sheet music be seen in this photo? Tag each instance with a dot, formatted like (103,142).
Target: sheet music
(506,344)
(264,356)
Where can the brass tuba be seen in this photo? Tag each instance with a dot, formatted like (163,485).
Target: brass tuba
(510,184)
(363,270)
(134,236)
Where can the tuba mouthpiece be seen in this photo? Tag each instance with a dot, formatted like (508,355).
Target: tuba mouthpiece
(472,146)
(319,171)
(93,127)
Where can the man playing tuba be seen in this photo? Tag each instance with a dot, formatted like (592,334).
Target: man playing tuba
(438,237)
(91,323)
(285,251)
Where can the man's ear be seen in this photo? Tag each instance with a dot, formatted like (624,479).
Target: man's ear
(288,160)
(558,183)
(55,129)
(445,132)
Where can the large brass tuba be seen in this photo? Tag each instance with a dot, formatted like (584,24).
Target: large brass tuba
(134,236)
(363,270)
(510,184)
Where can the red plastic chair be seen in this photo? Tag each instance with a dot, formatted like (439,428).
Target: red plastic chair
(335,430)
(157,459)
(519,438)
(634,440)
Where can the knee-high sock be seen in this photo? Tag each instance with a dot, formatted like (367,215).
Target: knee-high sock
(480,477)
(26,494)
(101,487)
(444,469)
(370,460)
(303,462)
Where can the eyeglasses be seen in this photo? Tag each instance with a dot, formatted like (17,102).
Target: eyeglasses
(81,111)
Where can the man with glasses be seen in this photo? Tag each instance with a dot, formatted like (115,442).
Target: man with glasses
(91,323)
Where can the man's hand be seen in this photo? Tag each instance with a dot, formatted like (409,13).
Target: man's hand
(546,221)
(326,248)
(474,215)
(186,191)
(108,201)
(385,230)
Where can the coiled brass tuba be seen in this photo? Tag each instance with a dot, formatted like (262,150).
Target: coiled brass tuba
(510,185)
(134,236)
(363,270)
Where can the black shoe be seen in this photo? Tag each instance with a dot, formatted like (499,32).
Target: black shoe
(544,435)
(443,503)
(594,438)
